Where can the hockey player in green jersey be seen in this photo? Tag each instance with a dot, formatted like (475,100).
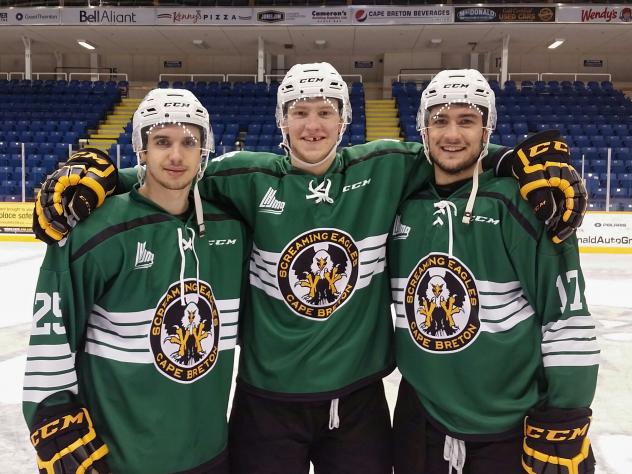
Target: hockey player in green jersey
(495,343)
(316,335)
(130,360)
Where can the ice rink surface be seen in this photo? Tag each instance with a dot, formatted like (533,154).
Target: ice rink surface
(608,291)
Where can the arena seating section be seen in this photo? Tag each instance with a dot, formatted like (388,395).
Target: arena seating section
(47,117)
(591,116)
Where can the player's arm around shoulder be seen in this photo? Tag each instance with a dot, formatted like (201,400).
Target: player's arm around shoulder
(382,146)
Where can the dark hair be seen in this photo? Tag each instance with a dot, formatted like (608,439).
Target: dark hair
(145,130)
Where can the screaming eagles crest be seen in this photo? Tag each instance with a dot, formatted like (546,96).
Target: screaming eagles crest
(441,302)
(184,337)
(317,272)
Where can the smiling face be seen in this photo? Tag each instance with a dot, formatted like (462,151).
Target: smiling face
(172,157)
(312,126)
(455,140)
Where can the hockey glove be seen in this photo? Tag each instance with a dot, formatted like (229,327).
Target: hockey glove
(541,163)
(66,442)
(556,442)
(72,193)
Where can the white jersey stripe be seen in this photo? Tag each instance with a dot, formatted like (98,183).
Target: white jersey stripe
(231,317)
(398,283)
(371,256)
(584,321)
(497,287)
(507,324)
(500,314)
(121,343)
(50,381)
(262,274)
(256,262)
(569,333)
(112,353)
(269,290)
(37,396)
(372,242)
(571,360)
(497,301)
(102,324)
(228,331)
(228,305)
(570,346)
(227,344)
(137,317)
(401,322)
(45,366)
(50,351)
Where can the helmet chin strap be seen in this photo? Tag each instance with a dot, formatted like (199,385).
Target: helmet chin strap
(467,215)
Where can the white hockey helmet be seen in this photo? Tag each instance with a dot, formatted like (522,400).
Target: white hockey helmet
(315,80)
(465,86)
(171,106)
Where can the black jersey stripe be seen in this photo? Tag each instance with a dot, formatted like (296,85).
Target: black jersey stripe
(117,229)
(134,223)
(513,210)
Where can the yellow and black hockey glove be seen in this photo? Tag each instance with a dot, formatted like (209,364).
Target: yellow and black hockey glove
(72,192)
(541,163)
(66,442)
(556,442)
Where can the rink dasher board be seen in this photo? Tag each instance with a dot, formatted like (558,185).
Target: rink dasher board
(601,232)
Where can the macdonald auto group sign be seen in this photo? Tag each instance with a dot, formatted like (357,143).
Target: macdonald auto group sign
(355,15)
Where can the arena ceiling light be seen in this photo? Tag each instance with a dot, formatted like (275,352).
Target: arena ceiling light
(85,44)
(198,43)
(556,43)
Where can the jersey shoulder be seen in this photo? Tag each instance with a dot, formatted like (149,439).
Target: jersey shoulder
(380,148)
(247,161)
(115,211)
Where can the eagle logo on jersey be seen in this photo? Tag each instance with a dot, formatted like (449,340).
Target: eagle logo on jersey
(184,333)
(317,272)
(442,304)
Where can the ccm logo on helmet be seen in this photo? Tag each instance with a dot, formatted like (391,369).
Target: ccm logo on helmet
(311,79)
(456,86)
(176,104)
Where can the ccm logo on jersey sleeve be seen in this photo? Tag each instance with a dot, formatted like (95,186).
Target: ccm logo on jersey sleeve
(358,185)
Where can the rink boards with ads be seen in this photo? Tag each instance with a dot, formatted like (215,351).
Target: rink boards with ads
(606,232)
(16,219)
(601,232)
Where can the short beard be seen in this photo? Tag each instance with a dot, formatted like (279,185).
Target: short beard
(453,170)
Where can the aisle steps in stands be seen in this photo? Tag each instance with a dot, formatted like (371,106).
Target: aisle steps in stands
(381,119)
(110,130)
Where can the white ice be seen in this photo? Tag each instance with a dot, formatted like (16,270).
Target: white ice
(608,291)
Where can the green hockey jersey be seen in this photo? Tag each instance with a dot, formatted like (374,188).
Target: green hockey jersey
(491,316)
(136,318)
(317,322)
